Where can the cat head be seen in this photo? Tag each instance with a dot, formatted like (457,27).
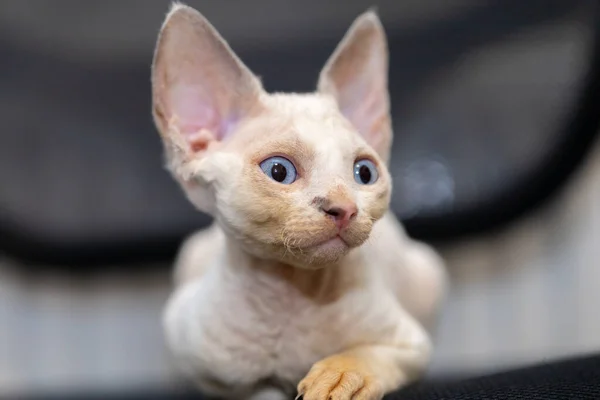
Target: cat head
(299,178)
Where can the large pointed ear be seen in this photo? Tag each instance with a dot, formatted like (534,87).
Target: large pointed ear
(357,76)
(200,89)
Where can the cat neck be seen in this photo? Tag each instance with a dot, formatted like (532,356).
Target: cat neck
(324,284)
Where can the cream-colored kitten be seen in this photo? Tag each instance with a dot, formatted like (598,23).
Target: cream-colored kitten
(306,281)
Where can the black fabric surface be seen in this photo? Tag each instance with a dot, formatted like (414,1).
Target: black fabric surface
(573,379)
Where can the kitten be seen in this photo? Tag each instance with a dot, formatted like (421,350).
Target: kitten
(305,282)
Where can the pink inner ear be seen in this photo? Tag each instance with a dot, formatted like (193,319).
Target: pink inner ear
(198,118)
(194,111)
(363,103)
(361,109)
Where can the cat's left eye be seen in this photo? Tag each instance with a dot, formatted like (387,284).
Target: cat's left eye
(280,169)
(365,172)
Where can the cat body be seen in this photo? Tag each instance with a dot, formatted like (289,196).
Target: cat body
(258,324)
(306,282)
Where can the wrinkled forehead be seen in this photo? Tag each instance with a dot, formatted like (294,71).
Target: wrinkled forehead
(306,127)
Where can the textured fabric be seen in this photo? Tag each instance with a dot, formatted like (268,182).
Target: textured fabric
(567,380)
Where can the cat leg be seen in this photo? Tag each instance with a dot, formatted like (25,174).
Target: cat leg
(371,371)
(414,270)
(425,283)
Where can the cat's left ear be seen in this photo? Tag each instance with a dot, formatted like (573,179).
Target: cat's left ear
(356,75)
(200,88)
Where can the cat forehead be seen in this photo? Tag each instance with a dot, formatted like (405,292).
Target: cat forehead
(312,119)
(310,105)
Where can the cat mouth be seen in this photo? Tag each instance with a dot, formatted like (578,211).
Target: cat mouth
(327,248)
(335,242)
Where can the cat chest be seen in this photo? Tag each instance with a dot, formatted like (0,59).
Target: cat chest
(262,334)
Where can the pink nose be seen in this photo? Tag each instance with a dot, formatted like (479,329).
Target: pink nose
(341,213)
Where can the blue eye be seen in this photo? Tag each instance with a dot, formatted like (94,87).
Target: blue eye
(279,169)
(365,172)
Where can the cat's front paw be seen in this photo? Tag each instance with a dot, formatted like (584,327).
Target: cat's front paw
(340,378)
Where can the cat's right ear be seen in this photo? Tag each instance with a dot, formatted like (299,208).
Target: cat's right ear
(200,89)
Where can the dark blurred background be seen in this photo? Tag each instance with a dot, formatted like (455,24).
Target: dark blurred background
(495,108)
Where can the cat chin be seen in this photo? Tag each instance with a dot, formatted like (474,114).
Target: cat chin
(317,256)
(320,260)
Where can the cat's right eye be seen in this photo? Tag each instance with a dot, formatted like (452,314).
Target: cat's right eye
(280,169)
(365,172)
